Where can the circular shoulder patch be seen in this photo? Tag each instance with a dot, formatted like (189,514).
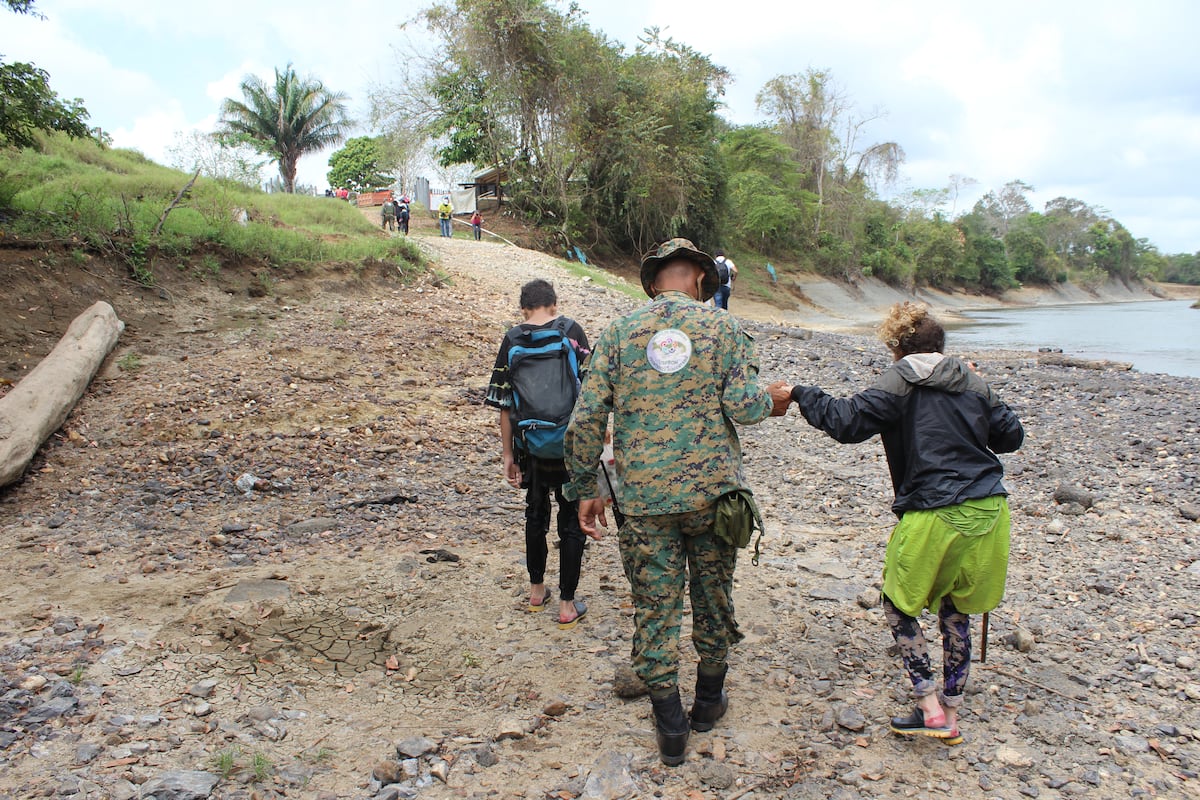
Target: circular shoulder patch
(669,350)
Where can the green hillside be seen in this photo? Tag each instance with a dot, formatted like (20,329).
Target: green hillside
(115,203)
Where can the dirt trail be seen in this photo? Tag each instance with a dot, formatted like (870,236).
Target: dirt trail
(286,635)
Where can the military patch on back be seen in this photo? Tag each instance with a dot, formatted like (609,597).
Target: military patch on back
(669,350)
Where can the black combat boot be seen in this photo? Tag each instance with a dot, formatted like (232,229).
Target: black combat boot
(670,726)
(711,699)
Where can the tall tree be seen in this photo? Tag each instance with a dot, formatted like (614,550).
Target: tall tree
(287,119)
(358,165)
(999,209)
(806,109)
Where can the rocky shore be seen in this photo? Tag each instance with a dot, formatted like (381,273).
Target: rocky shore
(275,558)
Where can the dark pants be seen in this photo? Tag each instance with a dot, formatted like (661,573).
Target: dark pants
(721,297)
(540,483)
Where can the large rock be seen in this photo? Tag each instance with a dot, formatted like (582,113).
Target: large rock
(183,785)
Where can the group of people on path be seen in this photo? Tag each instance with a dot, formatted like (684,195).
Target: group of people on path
(668,382)
(395,214)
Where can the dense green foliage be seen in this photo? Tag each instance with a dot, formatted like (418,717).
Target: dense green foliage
(112,202)
(285,120)
(357,165)
(616,149)
(608,149)
(28,104)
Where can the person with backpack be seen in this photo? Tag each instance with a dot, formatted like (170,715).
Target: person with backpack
(402,214)
(726,274)
(676,375)
(388,213)
(534,384)
(476,224)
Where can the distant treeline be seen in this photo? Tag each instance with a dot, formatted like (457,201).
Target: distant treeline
(614,150)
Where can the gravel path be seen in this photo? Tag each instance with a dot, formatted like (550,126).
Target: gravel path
(220,581)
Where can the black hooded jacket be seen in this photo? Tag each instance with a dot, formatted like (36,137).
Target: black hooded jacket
(940,423)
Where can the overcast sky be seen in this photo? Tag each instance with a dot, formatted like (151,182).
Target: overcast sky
(1094,100)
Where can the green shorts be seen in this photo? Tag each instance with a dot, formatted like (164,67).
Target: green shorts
(959,551)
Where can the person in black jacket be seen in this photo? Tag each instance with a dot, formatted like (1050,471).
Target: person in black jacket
(941,427)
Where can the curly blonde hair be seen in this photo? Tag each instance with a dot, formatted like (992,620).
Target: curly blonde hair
(909,328)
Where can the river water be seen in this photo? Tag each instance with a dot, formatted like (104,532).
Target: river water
(1156,336)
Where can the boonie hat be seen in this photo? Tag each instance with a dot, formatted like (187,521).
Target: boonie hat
(680,248)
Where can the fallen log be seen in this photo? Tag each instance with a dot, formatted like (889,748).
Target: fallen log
(1059,360)
(38,405)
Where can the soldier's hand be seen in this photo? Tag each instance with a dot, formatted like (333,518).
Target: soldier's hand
(781,397)
(591,511)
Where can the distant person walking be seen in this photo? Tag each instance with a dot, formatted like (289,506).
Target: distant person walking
(402,215)
(476,225)
(445,213)
(388,215)
(726,273)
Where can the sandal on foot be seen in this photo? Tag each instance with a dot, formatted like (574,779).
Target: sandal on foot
(580,610)
(542,606)
(954,738)
(914,725)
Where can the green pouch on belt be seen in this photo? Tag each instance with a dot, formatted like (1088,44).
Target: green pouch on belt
(737,517)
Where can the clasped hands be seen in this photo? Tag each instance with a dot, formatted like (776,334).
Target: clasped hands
(781,397)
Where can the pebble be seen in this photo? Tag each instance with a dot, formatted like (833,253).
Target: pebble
(850,718)
(387,772)
(1074,494)
(1021,640)
(716,775)
(511,728)
(610,778)
(1132,744)
(415,746)
(1011,757)
(203,689)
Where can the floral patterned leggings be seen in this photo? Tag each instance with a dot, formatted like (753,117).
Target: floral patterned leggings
(956,649)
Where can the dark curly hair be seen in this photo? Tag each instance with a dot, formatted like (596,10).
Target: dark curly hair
(538,294)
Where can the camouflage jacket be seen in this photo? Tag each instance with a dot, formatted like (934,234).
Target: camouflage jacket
(675,374)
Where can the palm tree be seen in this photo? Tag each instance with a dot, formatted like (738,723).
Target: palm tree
(287,120)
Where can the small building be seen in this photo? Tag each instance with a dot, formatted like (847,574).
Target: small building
(488,185)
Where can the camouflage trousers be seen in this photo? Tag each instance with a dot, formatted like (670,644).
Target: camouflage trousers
(660,554)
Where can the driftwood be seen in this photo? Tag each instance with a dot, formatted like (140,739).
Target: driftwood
(1059,360)
(38,405)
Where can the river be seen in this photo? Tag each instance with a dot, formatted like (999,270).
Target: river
(1156,336)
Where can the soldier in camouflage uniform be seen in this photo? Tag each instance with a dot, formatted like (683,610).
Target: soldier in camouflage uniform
(676,375)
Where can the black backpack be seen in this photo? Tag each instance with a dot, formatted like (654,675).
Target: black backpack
(723,270)
(543,371)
